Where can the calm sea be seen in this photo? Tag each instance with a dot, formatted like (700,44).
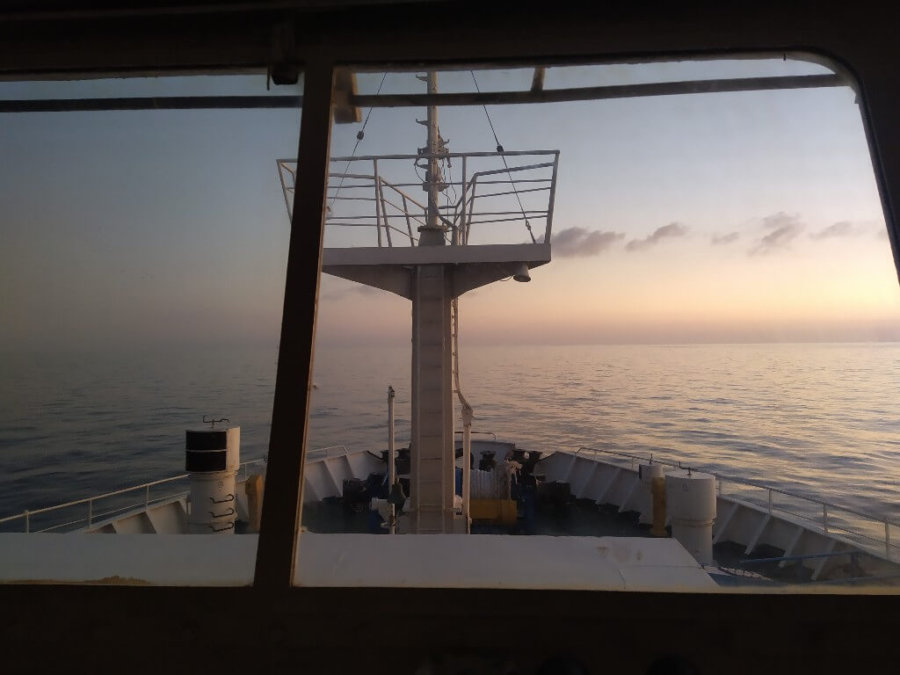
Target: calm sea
(817,419)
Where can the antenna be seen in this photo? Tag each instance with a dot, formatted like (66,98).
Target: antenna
(432,232)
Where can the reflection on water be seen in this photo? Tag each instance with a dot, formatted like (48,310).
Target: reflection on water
(73,425)
(814,419)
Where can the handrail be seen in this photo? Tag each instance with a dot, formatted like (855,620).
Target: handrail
(467,199)
(483,433)
(742,481)
(28,513)
(96,517)
(792,558)
(535,175)
(329,451)
(401,184)
(524,167)
(771,506)
(439,155)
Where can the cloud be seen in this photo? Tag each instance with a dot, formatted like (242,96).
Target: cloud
(784,229)
(779,220)
(721,239)
(843,228)
(579,242)
(672,230)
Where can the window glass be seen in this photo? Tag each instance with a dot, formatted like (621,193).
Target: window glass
(143,263)
(717,308)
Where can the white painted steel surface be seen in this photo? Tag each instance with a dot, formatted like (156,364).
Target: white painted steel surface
(128,559)
(691,505)
(691,496)
(214,493)
(499,561)
(433,463)
(324,475)
(423,561)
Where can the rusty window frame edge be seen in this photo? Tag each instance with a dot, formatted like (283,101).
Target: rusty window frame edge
(280,526)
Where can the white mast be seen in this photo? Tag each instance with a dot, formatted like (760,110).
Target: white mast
(431,274)
(432,477)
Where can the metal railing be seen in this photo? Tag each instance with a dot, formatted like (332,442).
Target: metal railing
(93,515)
(475,432)
(512,198)
(330,451)
(872,533)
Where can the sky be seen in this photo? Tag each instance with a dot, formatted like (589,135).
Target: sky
(738,217)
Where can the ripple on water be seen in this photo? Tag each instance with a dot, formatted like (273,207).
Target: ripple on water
(809,417)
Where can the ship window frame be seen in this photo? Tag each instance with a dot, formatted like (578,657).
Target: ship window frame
(272,568)
(289,625)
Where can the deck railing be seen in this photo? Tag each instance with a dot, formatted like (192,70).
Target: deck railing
(92,515)
(503,197)
(330,451)
(872,533)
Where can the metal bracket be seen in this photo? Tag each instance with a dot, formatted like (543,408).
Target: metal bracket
(283,66)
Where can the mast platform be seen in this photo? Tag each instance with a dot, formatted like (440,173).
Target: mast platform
(390,268)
